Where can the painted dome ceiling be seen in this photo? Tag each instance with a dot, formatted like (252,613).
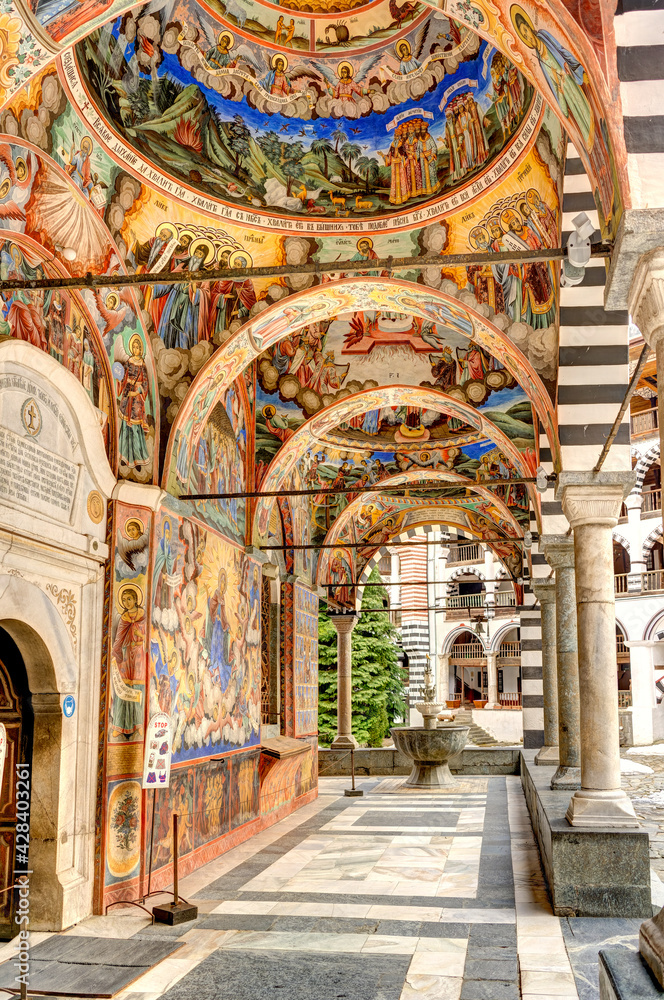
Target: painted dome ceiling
(179,136)
(304,120)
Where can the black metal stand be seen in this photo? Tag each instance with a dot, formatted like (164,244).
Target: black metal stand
(176,912)
(353,792)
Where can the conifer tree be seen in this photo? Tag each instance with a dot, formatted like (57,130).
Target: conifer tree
(378,681)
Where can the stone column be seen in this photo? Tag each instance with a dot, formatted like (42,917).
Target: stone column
(643,690)
(591,502)
(637,564)
(492,678)
(646,304)
(559,551)
(443,677)
(545,592)
(344,624)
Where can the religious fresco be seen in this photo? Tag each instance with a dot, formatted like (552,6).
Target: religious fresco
(563,77)
(305,662)
(244,804)
(220,465)
(123,845)
(222,119)
(369,294)
(55,322)
(129,623)
(204,639)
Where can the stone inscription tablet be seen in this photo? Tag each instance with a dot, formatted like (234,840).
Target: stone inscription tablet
(35,478)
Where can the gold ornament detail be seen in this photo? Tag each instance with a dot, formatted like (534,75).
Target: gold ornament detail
(95,506)
(66,603)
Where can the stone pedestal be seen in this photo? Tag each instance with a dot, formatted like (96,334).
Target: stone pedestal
(591,503)
(623,975)
(492,679)
(559,550)
(344,624)
(545,592)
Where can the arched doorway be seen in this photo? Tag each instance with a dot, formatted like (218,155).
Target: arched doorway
(17,717)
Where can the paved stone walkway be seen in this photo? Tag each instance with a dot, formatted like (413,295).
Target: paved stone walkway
(647,793)
(392,896)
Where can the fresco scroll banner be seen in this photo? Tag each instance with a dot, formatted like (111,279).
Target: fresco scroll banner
(130,160)
(345,296)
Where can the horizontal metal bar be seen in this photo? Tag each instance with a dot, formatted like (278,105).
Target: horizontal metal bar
(346,266)
(364,545)
(445,487)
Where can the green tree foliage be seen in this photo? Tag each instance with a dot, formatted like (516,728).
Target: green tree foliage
(378,680)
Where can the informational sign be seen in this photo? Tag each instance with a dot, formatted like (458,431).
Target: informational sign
(158,749)
(68,706)
(3,750)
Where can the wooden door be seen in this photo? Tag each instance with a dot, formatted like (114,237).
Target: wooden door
(13,705)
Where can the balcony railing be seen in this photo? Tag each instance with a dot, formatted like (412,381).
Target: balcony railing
(505,599)
(466,601)
(510,699)
(624,699)
(644,583)
(653,581)
(465,554)
(509,650)
(652,501)
(620,644)
(467,651)
(643,423)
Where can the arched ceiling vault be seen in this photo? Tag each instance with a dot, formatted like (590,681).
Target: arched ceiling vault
(342,297)
(315,43)
(343,565)
(186,136)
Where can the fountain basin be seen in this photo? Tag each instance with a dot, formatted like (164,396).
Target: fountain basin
(430,750)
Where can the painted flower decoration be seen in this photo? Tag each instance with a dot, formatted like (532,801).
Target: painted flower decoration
(10,36)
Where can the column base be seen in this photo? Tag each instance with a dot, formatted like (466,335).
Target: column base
(345,742)
(493,705)
(568,778)
(651,945)
(599,809)
(548,755)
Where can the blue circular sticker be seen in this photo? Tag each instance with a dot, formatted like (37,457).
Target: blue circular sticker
(118,371)
(68,706)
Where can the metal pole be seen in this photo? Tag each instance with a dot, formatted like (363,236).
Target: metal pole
(154,806)
(349,267)
(368,544)
(176,899)
(323,491)
(640,365)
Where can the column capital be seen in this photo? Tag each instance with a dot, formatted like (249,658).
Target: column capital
(544,590)
(344,624)
(559,551)
(593,497)
(634,501)
(646,296)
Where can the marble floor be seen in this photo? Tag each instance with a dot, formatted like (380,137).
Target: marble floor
(392,896)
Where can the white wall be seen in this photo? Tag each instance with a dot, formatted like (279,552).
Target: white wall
(503,724)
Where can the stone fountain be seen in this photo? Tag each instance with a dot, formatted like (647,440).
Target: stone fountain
(429,709)
(428,747)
